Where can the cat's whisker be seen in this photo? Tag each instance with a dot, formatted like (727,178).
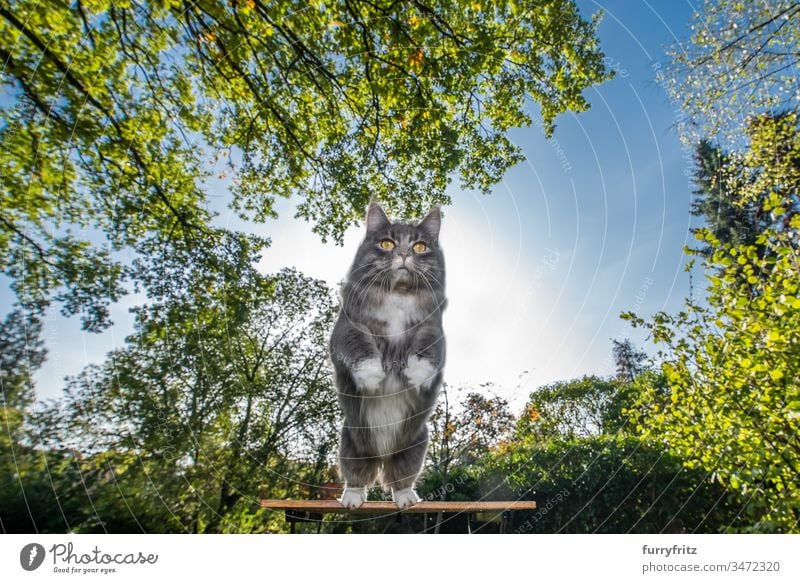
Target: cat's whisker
(429,273)
(362,296)
(366,265)
(372,270)
(427,283)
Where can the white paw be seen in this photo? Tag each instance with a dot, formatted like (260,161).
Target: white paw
(405,498)
(419,372)
(352,498)
(369,374)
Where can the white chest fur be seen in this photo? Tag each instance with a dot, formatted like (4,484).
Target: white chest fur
(400,312)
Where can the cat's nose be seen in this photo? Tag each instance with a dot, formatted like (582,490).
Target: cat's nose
(404,253)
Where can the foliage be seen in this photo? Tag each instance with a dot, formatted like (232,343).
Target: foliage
(731,358)
(771,169)
(118,114)
(221,394)
(464,429)
(610,484)
(21,353)
(466,425)
(733,405)
(740,61)
(577,408)
(742,195)
(37,483)
(117,118)
(628,361)
(575,452)
(717,202)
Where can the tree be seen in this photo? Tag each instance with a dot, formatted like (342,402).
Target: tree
(730,359)
(731,364)
(742,196)
(32,475)
(467,427)
(222,393)
(575,451)
(116,114)
(573,409)
(463,430)
(629,361)
(735,82)
(739,62)
(611,484)
(716,201)
(21,353)
(770,170)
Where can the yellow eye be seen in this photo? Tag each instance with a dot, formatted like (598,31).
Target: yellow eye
(387,244)
(420,247)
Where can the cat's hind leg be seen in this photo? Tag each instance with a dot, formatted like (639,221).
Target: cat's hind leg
(401,469)
(358,471)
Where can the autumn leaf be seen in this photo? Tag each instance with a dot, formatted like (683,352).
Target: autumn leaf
(417,58)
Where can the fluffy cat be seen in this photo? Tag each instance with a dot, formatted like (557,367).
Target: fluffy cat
(388,351)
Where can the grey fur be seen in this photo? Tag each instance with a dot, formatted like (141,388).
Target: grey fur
(392,317)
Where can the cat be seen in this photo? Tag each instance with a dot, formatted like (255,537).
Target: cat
(388,353)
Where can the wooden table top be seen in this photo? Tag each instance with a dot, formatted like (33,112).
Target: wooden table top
(387,506)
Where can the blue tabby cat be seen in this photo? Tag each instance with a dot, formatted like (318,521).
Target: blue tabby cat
(388,351)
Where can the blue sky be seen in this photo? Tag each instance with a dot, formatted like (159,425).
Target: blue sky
(593,223)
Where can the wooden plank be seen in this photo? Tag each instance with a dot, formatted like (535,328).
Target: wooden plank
(388,507)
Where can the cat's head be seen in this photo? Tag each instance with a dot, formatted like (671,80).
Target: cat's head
(400,256)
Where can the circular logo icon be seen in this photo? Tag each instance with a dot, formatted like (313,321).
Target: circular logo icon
(31,556)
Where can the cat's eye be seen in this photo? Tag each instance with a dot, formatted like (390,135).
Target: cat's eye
(387,244)
(419,247)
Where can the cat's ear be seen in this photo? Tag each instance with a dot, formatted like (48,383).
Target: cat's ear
(432,223)
(376,218)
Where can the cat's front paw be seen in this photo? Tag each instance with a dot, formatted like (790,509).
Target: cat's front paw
(405,498)
(419,372)
(369,374)
(352,498)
